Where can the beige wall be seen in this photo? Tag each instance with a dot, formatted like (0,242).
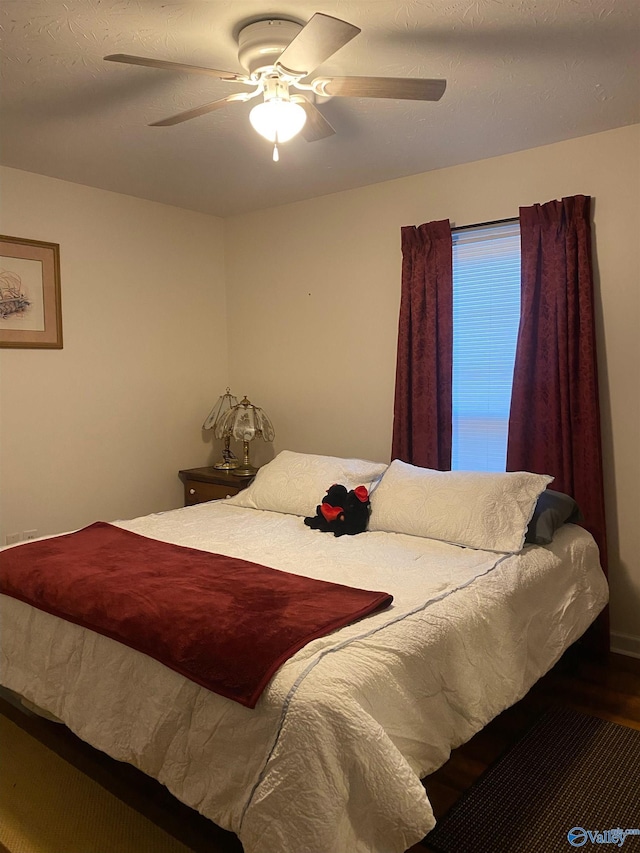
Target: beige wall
(99,429)
(313,296)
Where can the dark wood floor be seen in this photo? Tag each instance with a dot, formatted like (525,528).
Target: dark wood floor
(607,687)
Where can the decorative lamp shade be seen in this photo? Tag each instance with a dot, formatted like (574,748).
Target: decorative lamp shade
(214,421)
(245,422)
(223,404)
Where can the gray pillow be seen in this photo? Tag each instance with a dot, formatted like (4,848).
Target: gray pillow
(553,509)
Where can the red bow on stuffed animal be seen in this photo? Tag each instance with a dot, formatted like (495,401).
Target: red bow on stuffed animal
(329,512)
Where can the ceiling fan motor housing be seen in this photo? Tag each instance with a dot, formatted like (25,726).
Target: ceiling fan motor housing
(260,44)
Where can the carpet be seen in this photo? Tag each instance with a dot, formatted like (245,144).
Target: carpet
(48,806)
(569,783)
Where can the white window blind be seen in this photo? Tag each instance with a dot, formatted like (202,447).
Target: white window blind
(486,314)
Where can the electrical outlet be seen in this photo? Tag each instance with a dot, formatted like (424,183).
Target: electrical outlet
(29,534)
(12,538)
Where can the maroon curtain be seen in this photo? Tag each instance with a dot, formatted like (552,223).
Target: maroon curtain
(422,409)
(554,426)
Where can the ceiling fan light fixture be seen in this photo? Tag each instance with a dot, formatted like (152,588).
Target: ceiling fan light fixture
(278,120)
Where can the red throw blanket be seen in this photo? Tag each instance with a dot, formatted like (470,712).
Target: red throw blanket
(222,622)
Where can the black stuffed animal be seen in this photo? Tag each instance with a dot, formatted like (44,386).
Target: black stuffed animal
(341,511)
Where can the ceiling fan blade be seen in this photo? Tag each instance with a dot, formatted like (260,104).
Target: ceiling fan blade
(174,66)
(316,126)
(202,110)
(403,88)
(319,39)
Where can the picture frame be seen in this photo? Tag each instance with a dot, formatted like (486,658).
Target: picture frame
(30,300)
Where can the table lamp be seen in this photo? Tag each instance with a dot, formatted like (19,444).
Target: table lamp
(245,422)
(223,406)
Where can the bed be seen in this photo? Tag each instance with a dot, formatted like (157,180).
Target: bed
(331,757)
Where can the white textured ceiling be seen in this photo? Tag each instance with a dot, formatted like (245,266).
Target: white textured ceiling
(521,73)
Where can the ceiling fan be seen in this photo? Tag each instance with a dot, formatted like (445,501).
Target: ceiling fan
(278,55)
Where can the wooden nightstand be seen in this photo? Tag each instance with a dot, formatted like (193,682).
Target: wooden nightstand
(208,484)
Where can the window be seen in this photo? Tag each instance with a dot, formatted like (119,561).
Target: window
(486,314)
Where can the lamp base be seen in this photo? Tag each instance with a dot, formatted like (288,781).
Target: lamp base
(227,466)
(244,471)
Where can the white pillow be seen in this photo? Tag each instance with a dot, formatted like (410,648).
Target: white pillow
(479,510)
(295,483)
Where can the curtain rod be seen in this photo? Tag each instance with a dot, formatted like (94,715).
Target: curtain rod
(485,224)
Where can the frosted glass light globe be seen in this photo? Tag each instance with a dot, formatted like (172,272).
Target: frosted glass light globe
(278,120)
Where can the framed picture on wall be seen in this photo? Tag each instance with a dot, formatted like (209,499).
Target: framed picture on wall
(30,305)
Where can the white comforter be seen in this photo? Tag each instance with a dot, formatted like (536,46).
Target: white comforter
(330,760)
